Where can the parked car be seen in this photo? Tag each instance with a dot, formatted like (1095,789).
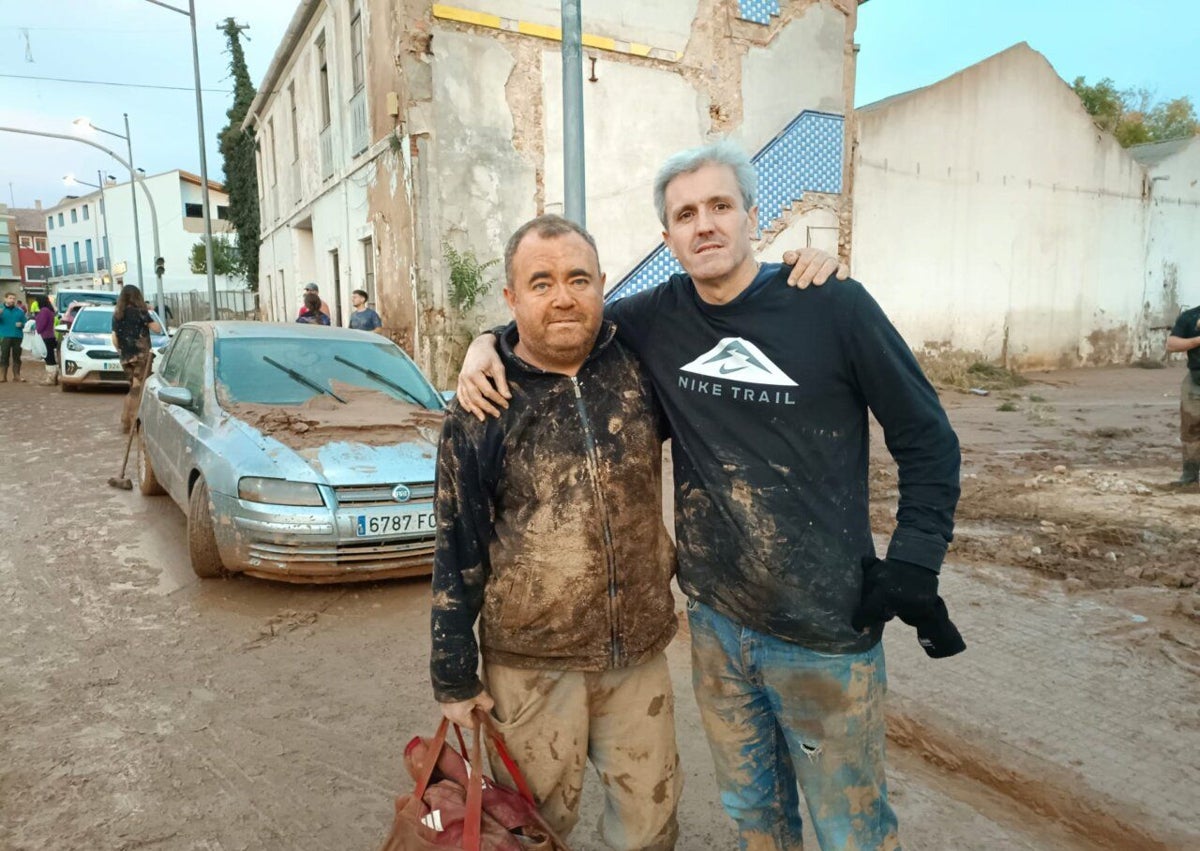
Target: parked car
(86,354)
(298,452)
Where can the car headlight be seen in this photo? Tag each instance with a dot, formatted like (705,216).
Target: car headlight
(73,346)
(279,491)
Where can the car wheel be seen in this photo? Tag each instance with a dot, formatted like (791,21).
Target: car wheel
(147,481)
(202,541)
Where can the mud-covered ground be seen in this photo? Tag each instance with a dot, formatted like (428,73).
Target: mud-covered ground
(142,708)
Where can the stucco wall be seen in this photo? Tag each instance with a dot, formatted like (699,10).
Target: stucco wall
(622,158)
(990,214)
(1173,244)
(664,25)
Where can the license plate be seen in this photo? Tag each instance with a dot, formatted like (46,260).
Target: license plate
(112,366)
(398,523)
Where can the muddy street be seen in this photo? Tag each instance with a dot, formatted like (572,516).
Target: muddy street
(143,708)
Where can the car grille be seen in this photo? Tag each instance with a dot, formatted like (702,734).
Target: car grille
(317,559)
(363,495)
(102,354)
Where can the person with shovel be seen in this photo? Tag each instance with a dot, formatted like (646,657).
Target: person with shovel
(132,326)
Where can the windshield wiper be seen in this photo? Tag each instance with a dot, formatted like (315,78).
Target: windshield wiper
(387,382)
(307,382)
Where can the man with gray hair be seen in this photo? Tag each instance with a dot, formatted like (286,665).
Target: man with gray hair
(767,393)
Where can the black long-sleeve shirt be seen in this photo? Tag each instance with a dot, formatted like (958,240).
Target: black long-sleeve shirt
(767,399)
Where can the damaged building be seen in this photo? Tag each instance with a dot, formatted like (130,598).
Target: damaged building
(400,139)
(992,215)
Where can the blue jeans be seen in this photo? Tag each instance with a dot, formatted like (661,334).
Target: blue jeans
(775,712)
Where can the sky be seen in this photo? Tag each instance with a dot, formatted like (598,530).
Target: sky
(905,44)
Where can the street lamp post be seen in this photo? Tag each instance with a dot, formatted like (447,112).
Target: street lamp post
(208,249)
(117,157)
(84,124)
(70,180)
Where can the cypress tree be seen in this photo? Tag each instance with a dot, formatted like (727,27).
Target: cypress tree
(237,150)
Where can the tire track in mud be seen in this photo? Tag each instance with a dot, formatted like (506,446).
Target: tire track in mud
(1046,790)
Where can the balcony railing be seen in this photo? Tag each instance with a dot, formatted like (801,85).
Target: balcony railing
(359,136)
(326,139)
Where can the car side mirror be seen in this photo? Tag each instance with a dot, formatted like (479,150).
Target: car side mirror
(180,396)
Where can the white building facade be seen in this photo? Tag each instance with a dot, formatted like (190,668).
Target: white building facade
(91,236)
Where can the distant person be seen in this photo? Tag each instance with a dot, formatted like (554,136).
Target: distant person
(311,313)
(312,288)
(363,318)
(132,326)
(12,332)
(1185,337)
(44,325)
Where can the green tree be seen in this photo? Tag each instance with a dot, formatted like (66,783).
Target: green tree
(227,259)
(1132,115)
(237,150)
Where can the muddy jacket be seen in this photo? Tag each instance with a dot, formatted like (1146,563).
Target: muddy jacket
(1187,326)
(550,525)
(767,397)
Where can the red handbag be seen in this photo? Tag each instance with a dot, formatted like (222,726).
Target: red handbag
(454,805)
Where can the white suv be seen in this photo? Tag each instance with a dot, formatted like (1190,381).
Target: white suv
(87,356)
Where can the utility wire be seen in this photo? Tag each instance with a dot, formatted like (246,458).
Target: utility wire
(106,83)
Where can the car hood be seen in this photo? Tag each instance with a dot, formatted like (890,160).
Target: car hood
(298,450)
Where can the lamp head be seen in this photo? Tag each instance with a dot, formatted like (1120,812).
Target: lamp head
(68,180)
(82,123)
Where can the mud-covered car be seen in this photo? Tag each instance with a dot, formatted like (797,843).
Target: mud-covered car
(298,452)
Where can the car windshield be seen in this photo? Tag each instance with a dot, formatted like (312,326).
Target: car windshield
(98,322)
(65,300)
(245,372)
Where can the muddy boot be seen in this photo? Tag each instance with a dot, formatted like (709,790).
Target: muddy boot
(1190,476)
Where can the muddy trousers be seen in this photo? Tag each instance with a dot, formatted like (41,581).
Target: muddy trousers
(10,352)
(1189,423)
(776,713)
(623,721)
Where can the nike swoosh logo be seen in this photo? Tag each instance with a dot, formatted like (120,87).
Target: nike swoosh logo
(725,371)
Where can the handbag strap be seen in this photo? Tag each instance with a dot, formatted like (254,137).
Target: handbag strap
(473,820)
(431,758)
(509,763)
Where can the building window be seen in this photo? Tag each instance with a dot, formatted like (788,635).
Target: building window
(262,174)
(91,258)
(193,211)
(78,258)
(61,223)
(323,80)
(25,241)
(356,50)
(295,125)
(49,222)
(54,259)
(369,268)
(39,244)
(86,214)
(102,206)
(36,274)
(74,215)
(223,212)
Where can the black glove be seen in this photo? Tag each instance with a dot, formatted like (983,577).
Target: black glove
(894,588)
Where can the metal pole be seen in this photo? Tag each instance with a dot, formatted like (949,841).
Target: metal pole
(575,205)
(115,156)
(208,250)
(107,242)
(137,237)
